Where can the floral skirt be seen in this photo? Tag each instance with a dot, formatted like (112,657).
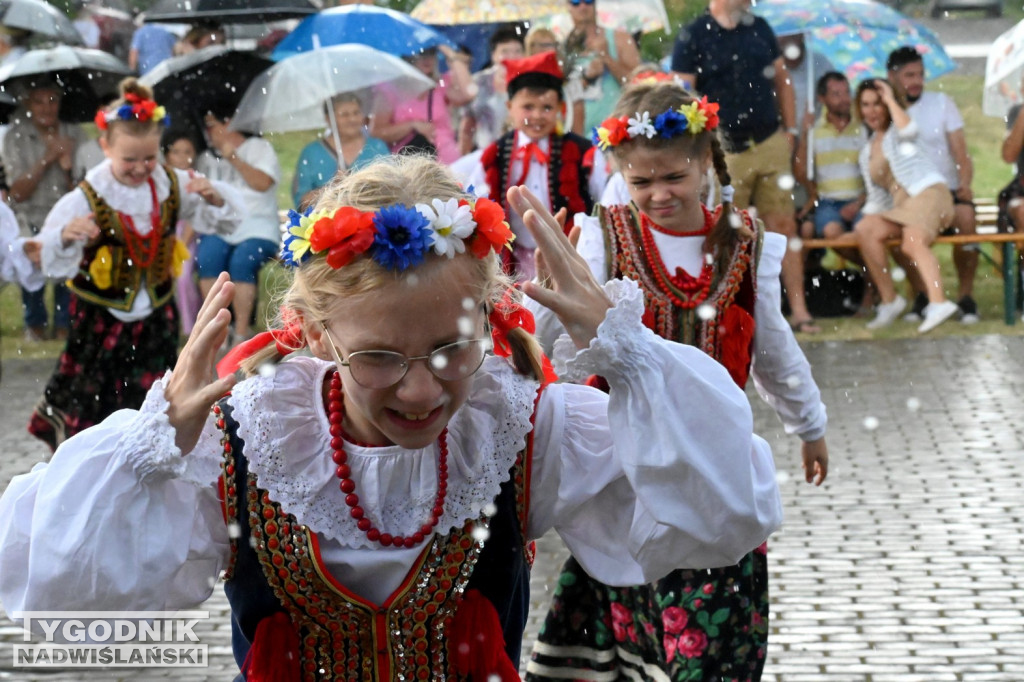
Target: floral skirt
(106,366)
(691,625)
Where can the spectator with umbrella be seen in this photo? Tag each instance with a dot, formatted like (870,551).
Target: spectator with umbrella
(37,152)
(248,164)
(10,45)
(423,123)
(113,239)
(349,149)
(484,120)
(151,44)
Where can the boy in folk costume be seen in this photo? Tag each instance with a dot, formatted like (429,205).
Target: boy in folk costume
(559,168)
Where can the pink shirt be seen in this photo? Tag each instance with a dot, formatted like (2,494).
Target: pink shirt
(405,109)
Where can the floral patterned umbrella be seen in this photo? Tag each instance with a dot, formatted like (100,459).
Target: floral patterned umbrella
(455,12)
(856,35)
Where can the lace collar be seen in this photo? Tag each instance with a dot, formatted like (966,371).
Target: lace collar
(122,197)
(283,424)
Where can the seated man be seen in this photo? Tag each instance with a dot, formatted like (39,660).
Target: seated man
(835,188)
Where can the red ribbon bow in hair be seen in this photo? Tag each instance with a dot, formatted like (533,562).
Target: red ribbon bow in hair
(506,316)
(288,340)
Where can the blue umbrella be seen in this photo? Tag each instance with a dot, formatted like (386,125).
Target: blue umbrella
(386,30)
(856,35)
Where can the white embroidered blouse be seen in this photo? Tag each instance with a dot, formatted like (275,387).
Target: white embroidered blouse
(637,483)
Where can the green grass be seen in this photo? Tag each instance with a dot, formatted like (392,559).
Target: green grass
(984,137)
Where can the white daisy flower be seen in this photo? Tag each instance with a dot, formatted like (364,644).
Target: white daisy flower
(450,223)
(641,125)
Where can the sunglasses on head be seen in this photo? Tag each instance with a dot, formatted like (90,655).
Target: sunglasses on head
(577,3)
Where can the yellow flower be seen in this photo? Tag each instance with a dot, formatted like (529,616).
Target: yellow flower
(100,267)
(179,257)
(602,138)
(159,113)
(298,241)
(696,119)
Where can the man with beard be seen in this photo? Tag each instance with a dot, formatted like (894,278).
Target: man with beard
(941,138)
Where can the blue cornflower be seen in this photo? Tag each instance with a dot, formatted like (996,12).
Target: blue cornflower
(670,124)
(403,237)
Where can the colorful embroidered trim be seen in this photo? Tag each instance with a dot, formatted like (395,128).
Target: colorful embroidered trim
(693,118)
(397,236)
(134,108)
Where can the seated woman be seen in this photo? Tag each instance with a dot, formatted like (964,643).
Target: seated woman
(1011,208)
(907,198)
(250,165)
(423,123)
(318,162)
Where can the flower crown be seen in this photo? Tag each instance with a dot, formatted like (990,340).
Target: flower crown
(693,118)
(397,236)
(135,108)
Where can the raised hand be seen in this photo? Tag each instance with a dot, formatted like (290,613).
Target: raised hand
(198,184)
(571,292)
(80,229)
(194,388)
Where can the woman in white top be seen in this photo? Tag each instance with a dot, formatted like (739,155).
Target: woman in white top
(250,165)
(907,198)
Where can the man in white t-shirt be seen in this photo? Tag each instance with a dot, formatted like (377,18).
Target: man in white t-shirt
(942,140)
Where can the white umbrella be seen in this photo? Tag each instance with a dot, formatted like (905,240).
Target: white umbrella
(1003,71)
(291,94)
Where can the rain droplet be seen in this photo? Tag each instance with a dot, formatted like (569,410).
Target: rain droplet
(870,423)
(468,303)
(913,404)
(907,148)
(786,182)
(769,72)
(267,369)
(412,279)
(794,381)
(438,362)
(782,477)
(792,52)
(705,311)
(898,274)
(796,244)
(481,533)
(490,509)
(234,531)
(709,258)
(466,326)
(735,222)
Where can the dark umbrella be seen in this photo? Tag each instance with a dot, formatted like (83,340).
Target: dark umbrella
(213,78)
(7,106)
(40,18)
(86,77)
(228,11)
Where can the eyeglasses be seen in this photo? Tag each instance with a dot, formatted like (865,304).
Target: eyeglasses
(377,369)
(576,3)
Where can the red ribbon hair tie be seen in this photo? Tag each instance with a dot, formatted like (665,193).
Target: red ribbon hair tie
(506,316)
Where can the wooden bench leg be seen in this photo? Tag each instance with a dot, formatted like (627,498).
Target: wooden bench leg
(1010,278)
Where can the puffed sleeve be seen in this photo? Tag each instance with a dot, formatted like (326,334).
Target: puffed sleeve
(117,520)
(643,481)
(781,372)
(59,261)
(207,218)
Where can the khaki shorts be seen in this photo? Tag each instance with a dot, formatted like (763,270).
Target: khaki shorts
(756,173)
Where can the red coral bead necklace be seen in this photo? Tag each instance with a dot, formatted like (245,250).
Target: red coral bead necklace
(336,415)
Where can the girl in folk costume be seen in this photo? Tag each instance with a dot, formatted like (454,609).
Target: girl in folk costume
(558,168)
(114,239)
(373,504)
(710,279)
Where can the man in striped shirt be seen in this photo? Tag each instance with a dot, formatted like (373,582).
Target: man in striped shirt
(836,189)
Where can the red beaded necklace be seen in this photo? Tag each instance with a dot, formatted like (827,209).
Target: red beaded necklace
(695,289)
(142,249)
(336,415)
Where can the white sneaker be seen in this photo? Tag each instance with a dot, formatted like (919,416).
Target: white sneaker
(887,313)
(937,313)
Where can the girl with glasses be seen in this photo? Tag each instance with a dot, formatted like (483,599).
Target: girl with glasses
(710,279)
(373,502)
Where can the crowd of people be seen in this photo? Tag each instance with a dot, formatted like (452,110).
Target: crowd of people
(565,202)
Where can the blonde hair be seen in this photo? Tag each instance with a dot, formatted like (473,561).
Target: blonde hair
(536,34)
(130,86)
(316,287)
(660,97)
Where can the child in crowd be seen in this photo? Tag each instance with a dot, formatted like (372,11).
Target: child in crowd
(180,151)
(558,168)
(710,279)
(114,239)
(384,487)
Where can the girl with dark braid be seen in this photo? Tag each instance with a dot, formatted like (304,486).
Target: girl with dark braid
(710,278)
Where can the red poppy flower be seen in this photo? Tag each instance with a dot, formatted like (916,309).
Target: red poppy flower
(492,232)
(710,110)
(344,235)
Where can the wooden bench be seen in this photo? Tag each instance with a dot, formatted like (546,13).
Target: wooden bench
(987,216)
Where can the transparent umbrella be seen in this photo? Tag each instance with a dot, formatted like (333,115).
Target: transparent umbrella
(291,94)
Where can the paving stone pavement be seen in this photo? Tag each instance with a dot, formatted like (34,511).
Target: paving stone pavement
(905,566)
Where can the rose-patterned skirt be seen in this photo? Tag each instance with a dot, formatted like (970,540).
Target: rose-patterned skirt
(706,625)
(107,365)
